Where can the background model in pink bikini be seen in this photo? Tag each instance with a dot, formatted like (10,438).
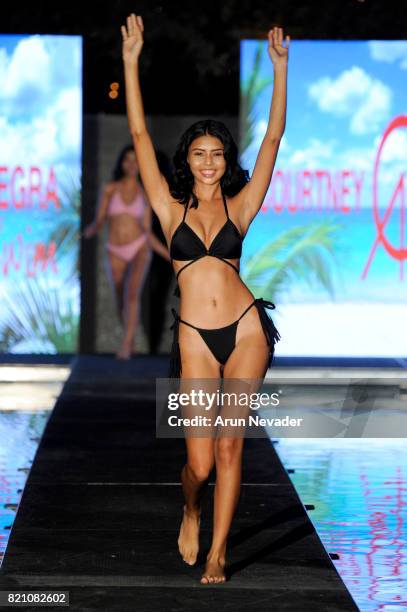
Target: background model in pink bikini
(136,208)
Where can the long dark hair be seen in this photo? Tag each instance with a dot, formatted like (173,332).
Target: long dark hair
(234,178)
(118,173)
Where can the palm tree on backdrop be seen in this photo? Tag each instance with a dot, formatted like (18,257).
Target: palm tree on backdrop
(40,316)
(299,253)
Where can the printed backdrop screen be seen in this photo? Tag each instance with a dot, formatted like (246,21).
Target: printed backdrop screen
(329,244)
(40,174)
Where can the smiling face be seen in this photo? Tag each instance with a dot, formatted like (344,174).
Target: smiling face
(206,159)
(129,164)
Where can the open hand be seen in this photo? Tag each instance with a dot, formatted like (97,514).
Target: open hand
(278,53)
(132,37)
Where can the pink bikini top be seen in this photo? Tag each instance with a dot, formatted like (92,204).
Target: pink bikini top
(117,206)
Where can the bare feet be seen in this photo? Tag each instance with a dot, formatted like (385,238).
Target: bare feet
(125,351)
(214,570)
(188,540)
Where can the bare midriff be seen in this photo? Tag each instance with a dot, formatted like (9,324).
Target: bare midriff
(212,293)
(124,228)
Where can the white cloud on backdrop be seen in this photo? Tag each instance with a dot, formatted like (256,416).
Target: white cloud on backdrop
(389,51)
(41,101)
(354,94)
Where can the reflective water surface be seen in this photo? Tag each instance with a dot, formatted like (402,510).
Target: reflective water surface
(27,397)
(19,437)
(358,488)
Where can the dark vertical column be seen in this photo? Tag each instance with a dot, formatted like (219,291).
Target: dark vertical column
(158,282)
(87,333)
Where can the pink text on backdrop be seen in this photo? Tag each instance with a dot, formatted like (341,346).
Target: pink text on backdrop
(30,258)
(22,188)
(315,190)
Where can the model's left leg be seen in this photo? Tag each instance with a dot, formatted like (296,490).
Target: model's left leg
(248,360)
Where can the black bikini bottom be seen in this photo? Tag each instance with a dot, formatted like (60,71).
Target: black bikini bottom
(222,340)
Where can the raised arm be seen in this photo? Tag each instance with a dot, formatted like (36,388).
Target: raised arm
(251,197)
(154,182)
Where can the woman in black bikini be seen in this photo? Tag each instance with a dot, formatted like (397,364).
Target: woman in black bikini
(221,333)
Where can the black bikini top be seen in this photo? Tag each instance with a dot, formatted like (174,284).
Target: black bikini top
(186,244)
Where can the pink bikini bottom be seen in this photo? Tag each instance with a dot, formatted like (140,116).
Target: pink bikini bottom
(129,250)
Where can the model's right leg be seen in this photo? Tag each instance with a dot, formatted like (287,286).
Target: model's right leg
(199,365)
(116,268)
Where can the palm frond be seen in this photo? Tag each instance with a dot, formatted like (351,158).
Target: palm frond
(303,253)
(37,317)
(250,91)
(65,233)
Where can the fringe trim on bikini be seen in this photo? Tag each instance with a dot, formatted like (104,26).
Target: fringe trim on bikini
(175,357)
(270,331)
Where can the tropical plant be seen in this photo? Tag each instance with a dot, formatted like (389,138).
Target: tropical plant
(300,253)
(250,91)
(38,320)
(41,318)
(66,232)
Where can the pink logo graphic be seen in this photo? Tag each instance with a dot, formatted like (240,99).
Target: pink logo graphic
(399,253)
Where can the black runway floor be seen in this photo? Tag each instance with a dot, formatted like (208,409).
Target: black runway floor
(100,513)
